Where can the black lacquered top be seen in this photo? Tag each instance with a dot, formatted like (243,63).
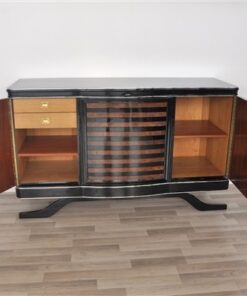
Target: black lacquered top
(119,87)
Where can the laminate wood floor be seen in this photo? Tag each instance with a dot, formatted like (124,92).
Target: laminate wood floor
(141,247)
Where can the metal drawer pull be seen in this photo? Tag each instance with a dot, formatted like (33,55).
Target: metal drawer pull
(46,121)
(44,105)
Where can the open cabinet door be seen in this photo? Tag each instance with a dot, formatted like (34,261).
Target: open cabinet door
(7,176)
(238,166)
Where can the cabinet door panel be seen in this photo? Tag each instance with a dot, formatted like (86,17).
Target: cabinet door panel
(238,168)
(126,141)
(7,178)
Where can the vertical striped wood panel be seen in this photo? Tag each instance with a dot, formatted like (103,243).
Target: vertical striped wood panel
(126,141)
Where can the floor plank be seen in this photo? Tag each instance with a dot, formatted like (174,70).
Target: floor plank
(150,246)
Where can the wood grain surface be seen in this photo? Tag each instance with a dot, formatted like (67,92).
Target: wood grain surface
(44,105)
(7,176)
(48,146)
(238,167)
(138,247)
(45,120)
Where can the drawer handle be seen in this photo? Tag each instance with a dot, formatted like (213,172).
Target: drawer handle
(46,121)
(44,105)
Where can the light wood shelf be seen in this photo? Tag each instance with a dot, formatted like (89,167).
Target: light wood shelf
(50,171)
(197,128)
(196,166)
(48,146)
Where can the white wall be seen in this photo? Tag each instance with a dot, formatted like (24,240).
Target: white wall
(123,39)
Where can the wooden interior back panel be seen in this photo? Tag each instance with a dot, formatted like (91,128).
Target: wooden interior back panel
(190,147)
(7,176)
(220,112)
(216,153)
(192,108)
(39,170)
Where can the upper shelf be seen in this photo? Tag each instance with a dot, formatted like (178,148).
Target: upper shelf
(197,128)
(49,146)
(120,87)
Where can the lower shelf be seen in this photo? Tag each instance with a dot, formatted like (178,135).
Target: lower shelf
(194,167)
(50,171)
(54,171)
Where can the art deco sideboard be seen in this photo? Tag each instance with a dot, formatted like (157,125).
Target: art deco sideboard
(91,138)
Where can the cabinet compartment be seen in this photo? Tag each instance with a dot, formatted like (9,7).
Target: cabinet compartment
(126,141)
(49,170)
(47,155)
(202,128)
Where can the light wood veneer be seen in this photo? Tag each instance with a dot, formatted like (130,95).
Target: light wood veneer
(43,105)
(40,170)
(202,133)
(46,121)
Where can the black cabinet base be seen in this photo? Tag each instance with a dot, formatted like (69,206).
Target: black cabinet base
(198,204)
(50,210)
(55,206)
(144,190)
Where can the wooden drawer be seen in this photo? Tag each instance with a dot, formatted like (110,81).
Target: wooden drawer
(48,120)
(44,105)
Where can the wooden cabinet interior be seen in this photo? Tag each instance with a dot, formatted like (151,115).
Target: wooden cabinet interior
(47,156)
(46,140)
(202,130)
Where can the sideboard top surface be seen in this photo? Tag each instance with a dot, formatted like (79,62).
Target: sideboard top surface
(119,87)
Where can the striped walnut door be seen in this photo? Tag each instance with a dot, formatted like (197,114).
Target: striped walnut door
(126,141)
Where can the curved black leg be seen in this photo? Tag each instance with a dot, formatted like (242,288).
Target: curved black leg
(197,203)
(50,210)
(55,206)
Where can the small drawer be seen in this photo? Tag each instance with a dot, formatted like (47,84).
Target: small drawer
(44,105)
(48,120)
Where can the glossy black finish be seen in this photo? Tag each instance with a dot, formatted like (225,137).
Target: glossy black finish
(104,123)
(238,168)
(48,191)
(123,87)
(135,190)
(55,206)
(170,138)
(50,210)
(200,205)
(82,134)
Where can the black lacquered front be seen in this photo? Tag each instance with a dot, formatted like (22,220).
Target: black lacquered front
(126,141)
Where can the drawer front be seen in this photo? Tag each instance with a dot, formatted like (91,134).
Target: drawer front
(44,105)
(48,120)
